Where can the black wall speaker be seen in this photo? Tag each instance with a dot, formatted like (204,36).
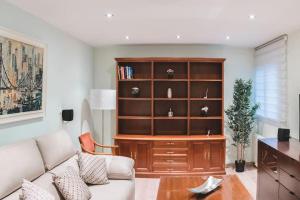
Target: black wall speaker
(67,115)
(283,134)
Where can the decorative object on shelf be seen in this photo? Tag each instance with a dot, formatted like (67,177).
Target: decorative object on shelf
(206,94)
(208,132)
(170,73)
(135,91)
(170,113)
(102,99)
(22,77)
(67,115)
(169,93)
(208,186)
(204,111)
(241,118)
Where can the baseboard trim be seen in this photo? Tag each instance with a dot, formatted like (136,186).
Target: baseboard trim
(248,164)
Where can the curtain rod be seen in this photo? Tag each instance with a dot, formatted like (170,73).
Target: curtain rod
(284,36)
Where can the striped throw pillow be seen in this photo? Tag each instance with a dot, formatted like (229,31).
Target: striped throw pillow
(71,186)
(31,191)
(92,169)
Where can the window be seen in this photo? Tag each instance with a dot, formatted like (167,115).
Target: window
(271,80)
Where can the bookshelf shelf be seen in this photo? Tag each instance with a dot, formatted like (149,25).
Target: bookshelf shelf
(170,99)
(134,98)
(135,117)
(206,99)
(134,79)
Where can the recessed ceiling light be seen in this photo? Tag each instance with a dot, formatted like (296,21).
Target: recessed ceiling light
(227,37)
(178,37)
(109,15)
(127,37)
(251,16)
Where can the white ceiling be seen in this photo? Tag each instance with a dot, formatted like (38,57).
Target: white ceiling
(159,21)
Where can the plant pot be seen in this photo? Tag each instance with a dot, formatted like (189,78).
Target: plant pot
(240,165)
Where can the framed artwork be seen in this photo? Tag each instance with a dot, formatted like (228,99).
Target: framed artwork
(22,77)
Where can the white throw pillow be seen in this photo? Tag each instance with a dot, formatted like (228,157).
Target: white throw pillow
(71,186)
(92,169)
(121,167)
(31,191)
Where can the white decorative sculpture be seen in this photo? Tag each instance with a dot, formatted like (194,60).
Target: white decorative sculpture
(169,93)
(170,113)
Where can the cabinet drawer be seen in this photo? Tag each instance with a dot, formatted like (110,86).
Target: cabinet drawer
(285,194)
(170,159)
(170,144)
(173,167)
(290,166)
(170,151)
(290,182)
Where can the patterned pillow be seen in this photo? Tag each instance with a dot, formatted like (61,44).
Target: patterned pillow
(71,186)
(92,169)
(31,191)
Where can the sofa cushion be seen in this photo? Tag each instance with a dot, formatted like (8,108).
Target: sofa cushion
(115,190)
(18,161)
(30,191)
(72,186)
(55,148)
(71,162)
(92,169)
(46,182)
(121,167)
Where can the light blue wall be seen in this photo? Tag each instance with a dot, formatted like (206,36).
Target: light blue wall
(69,75)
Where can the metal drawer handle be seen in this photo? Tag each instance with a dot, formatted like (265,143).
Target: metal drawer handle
(292,193)
(276,180)
(170,152)
(291,175)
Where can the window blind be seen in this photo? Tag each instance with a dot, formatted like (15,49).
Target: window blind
(271,81)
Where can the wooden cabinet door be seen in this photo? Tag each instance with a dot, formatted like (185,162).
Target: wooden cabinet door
(216,155)
(126,148)
(142,156)
(198,156)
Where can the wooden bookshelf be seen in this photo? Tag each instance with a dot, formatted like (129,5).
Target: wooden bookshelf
(147,114)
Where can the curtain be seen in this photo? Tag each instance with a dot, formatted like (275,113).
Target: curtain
(271,81)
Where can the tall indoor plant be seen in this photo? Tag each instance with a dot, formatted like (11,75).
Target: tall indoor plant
(241,118)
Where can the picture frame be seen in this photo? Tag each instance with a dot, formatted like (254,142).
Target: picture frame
(23,77)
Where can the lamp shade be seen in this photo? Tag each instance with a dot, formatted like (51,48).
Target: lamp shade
(103,99)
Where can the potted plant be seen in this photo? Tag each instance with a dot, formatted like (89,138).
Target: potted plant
(241,118)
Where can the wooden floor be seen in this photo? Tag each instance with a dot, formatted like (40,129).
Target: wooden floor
(146,188)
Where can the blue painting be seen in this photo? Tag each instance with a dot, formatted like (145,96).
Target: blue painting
(21,78)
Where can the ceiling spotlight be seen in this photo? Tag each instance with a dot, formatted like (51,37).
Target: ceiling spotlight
(109,15)
(227,37)
(251,16)
(127,37)
(178,37)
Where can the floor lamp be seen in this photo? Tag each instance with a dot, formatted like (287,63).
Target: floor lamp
(103,99)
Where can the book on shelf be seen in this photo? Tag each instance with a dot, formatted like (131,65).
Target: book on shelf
(125,72)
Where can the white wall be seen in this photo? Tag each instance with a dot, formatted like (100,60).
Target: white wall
(293,67)
(69,75)
(239,64)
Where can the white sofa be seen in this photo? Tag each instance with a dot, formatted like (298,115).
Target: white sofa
(37,159)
